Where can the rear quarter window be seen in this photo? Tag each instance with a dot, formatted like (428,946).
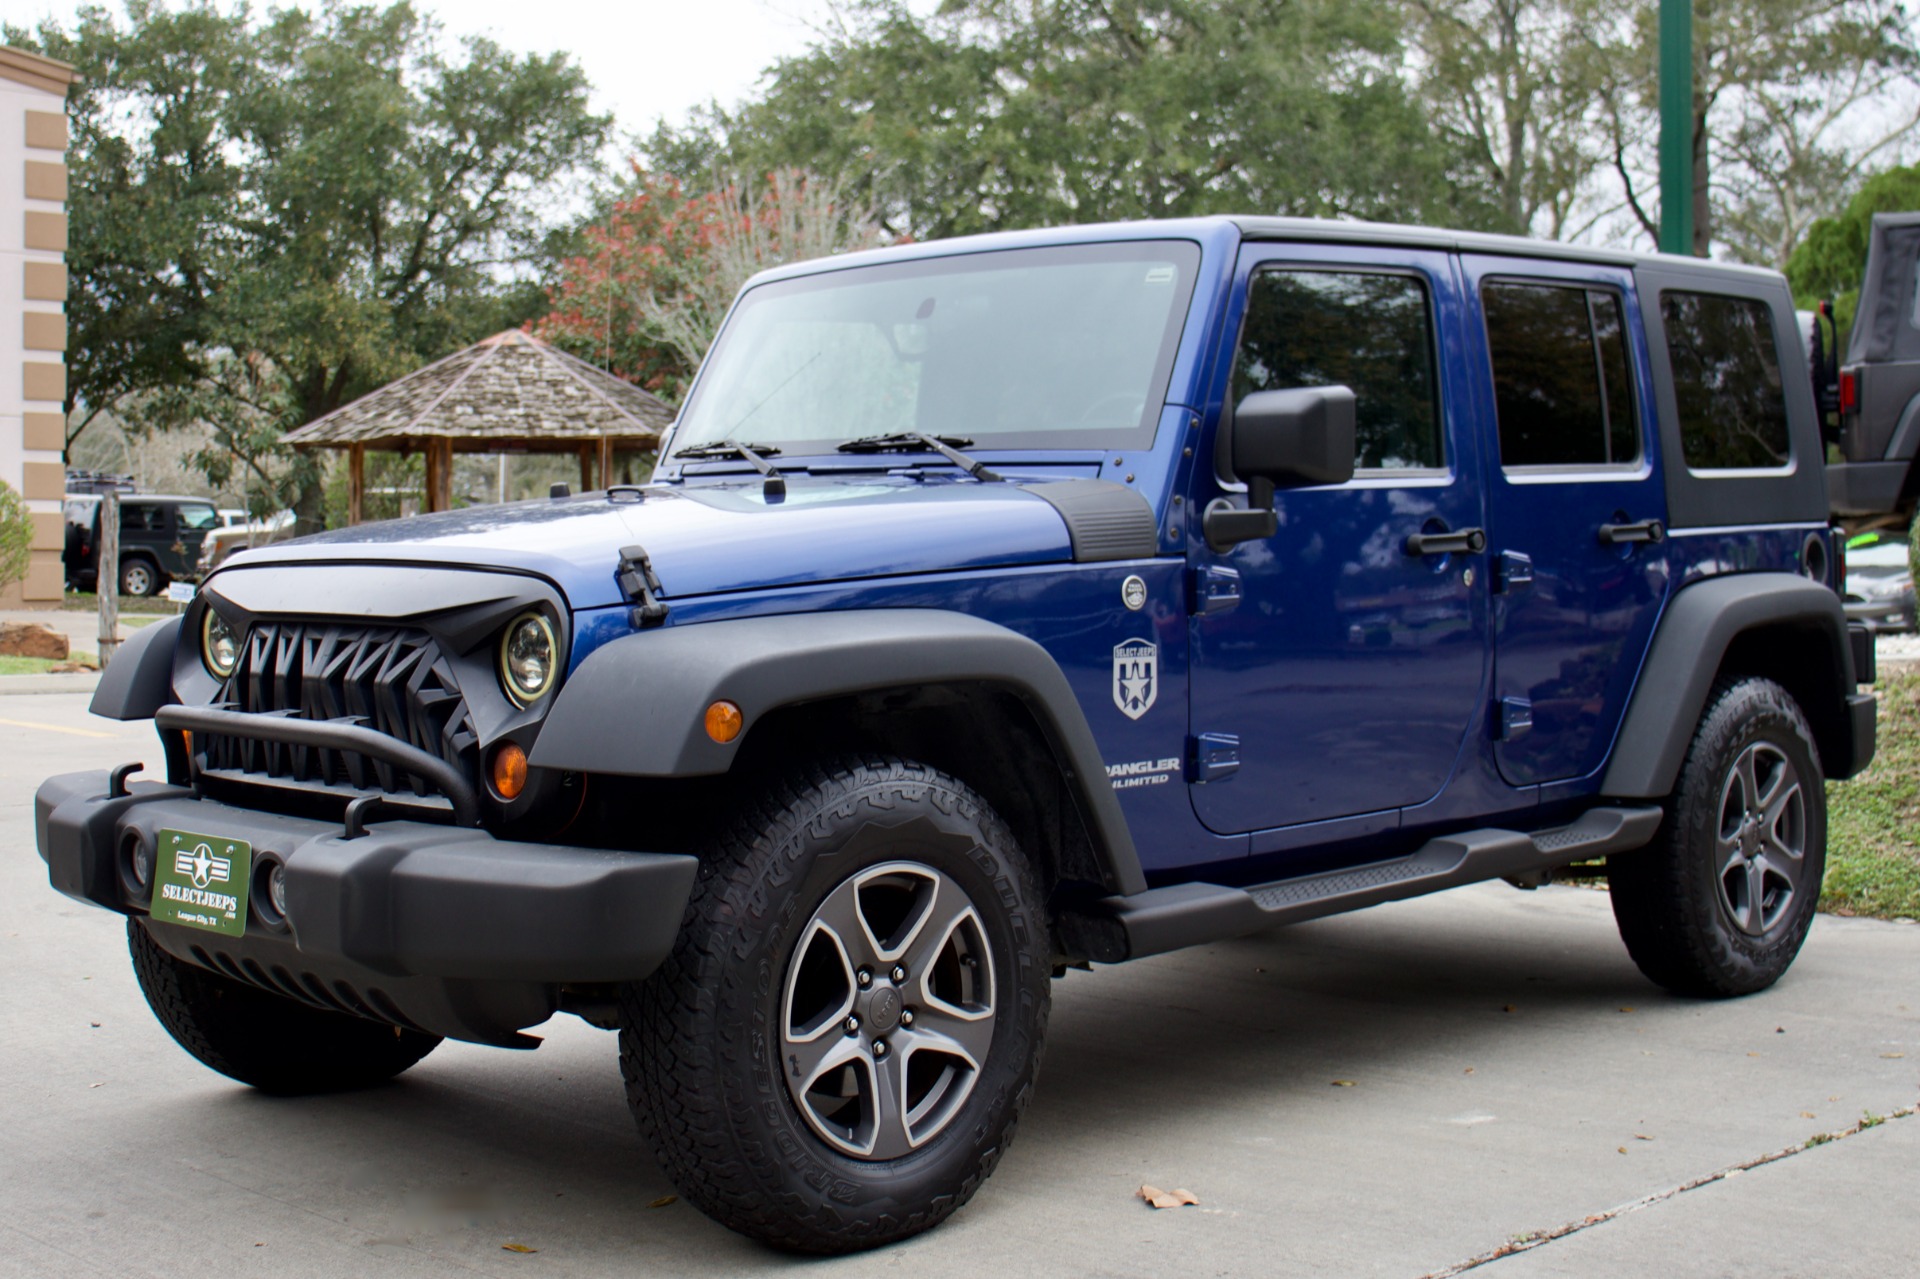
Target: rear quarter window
(1726,382)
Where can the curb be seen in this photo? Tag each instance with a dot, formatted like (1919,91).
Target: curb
(78,682)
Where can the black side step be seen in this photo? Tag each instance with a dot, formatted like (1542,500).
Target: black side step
(1163,919)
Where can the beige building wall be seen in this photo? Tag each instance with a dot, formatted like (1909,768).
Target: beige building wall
(33,291)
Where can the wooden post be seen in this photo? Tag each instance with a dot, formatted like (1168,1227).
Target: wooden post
(106,575)
(356,483)
(606,461)
(440,474)
(586,468)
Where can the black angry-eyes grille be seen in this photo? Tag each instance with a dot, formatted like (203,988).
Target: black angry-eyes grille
(390,679)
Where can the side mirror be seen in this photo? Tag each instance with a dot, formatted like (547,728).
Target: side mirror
(1295,437)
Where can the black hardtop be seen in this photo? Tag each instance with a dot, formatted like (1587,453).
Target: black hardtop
(1886,326)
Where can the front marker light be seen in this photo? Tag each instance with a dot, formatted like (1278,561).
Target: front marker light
(528,664)
(219,644)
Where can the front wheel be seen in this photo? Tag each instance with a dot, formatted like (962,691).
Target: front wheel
(1721,902)
(836,1053)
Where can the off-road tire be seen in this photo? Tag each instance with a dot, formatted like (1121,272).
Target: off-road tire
(701,1040)
(264,1040)
(1675,915)
(140,576)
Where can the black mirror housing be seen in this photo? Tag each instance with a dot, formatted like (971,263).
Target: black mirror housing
(1304,435)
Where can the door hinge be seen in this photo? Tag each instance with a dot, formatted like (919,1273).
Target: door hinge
(1511,569)
(1516,718)
(1215,756)
(1215,589)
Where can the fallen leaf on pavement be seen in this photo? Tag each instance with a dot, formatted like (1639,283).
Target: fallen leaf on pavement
(1627,1009)
(1343,1083)
(664,1200)
(1806,1114)
(1469,1070)
(1623,1150)
(1158,1198)
(516,1247)
(1641,1136)
(1509,1008)
(1893,1056)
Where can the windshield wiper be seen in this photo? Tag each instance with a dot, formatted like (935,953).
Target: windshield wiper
(774,484)
(908,441)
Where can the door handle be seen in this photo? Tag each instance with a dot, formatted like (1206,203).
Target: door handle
(1642,531)
(1460,541)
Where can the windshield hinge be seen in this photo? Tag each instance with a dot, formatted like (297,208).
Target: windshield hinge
(639,585)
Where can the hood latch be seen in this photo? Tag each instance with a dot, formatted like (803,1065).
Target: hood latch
(638,584)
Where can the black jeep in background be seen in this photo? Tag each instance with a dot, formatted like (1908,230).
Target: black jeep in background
(160,540)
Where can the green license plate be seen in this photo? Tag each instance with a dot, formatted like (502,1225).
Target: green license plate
(201,881)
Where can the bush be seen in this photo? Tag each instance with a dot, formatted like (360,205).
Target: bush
(16,536)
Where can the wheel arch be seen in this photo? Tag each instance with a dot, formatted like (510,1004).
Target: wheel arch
(1778,626)
(920,682)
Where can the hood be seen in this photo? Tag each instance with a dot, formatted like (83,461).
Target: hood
(723,536)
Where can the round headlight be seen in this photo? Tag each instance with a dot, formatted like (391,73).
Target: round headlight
(219,644)
(527,659)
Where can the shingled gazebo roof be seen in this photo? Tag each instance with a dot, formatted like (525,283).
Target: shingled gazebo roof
(509,391)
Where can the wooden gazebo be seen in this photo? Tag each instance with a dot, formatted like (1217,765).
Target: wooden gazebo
(510,393)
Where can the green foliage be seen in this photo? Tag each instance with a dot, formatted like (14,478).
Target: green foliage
(1832,261)
(1873,867)
(993,114)
(1793,99)
(284,212)
(16,536)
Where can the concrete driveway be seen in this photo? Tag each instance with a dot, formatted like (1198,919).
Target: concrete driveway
(1396,1093)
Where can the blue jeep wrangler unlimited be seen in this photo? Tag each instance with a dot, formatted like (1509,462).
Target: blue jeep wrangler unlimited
(1000,605)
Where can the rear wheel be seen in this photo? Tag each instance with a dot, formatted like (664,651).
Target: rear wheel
(1721,902)
(266,1040)
(836,1053)
(138,577)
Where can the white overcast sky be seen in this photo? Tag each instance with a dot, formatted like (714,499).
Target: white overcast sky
(646,59)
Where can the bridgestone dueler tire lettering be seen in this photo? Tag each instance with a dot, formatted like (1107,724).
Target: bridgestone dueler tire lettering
(266,1040)
(698,1039)
(1666,897)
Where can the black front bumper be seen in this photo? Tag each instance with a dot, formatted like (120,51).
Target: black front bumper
(440,928)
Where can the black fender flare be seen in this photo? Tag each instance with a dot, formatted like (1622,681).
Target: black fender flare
(1699,626)
(139,679)
(636,706)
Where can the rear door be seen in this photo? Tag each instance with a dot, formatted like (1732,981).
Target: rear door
(193,521)
(1335,669)
(1576,508)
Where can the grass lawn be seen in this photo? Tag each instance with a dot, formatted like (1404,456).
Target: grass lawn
(41,665)
(1873,821)
(152,607)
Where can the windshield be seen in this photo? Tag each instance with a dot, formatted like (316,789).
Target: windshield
(1062,347)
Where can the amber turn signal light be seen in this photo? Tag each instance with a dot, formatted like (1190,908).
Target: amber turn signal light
(724,722)
(509,771)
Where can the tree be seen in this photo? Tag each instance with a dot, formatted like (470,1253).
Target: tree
(1831,261)
(659,270)
(1511,83)
(994,114)
(1794,100)
(364,203)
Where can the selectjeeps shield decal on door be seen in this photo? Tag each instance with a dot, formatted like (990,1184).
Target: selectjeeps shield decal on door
(1136,677)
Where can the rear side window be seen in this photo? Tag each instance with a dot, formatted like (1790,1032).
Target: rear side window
(1368,331)
(198,517)
(1726,382)
(1562,387)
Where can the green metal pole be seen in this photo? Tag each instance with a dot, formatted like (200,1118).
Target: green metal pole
(1676,126)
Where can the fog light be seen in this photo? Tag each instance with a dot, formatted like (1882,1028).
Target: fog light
(277,888)
(509,771)
(140,862)
(724,722)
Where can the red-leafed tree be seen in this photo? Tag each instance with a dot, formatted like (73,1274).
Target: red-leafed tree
(660,269)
